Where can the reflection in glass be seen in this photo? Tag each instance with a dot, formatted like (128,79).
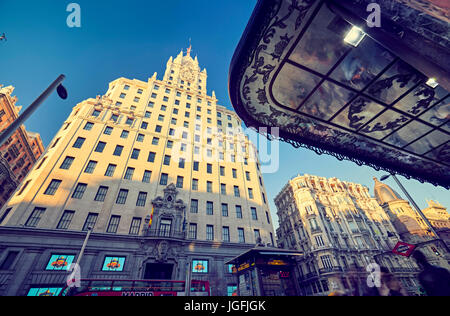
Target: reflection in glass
(420,99)
(385,124)
(427,143)
(438,114)
(398,79)
(358,113)
(326,101)
(321,46)
(362,65)
(407,134)
(293,85)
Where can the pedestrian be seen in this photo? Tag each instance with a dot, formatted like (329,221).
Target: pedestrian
(389,285)
(434,280)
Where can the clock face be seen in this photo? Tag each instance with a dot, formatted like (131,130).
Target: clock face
(187,74)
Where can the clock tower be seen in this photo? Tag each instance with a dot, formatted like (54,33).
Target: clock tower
(184,72)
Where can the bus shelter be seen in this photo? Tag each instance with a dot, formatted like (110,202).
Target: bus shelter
(266,272)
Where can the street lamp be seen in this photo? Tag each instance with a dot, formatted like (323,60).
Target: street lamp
(412,202)
(62,92)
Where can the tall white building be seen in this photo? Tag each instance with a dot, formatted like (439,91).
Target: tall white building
(162,147)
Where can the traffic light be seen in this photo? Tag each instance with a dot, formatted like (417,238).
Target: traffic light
(435,251)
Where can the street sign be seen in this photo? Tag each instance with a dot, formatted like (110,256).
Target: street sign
(403,249)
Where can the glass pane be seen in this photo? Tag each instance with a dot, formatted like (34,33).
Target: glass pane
(293,85)
(385,124)
(358,113)
(441,154)
(362,64)
(398,79)
(432,140)
(321,46)
(420,99)
(438,114)
(326,101)
(407,134)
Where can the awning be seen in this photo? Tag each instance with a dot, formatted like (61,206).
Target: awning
(367,103)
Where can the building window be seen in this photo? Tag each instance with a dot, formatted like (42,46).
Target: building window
(192,231)
(209,168)
(79,191)
(5,214)
(67,163)
(226,234)
(147,176)
(35,217)
(60,262)
(250,193)
(194,184)
(90,167)
(113,224)
(200,266)
(181,163)
(118,150)
(90,221)
(155,141)
(9,260)
(164,179)
(223,189)
(101,194)
(124,134)
(129,173)
(122,196)
(151,157)
(209,186)
(196,166)
(110,170)
(88,126)
(257,235)
(236,191)
(140,138)
(135,153)
(241,235)
(238,211)
(114,118)
(100,147)
(113,264)
(135,226)
(96,113)
(129,121)
(209,208)
(108,130)
(142,199)
(247,175)
(79,142)
(52,187)
(268,217)
(180,180)
(194,206)
(254,213)
(167,160)
(225,210)
(165,227)
(209,232)
(144,125)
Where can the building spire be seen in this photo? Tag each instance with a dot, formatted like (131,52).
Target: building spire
(189,48)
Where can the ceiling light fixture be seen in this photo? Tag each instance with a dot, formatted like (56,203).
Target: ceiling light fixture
(354,36)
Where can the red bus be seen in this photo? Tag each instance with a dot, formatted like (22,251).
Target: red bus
(114,287)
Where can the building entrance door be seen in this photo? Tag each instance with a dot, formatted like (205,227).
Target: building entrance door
(158,271)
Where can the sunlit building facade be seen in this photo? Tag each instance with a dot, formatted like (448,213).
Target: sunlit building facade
(163,174)
(411,226)
(341,229)
(20,152)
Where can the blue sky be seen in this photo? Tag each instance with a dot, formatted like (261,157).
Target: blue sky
(134,39)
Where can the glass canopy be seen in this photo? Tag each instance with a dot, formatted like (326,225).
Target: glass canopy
(293,70)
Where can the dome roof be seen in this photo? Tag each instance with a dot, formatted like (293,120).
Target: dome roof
(384,194)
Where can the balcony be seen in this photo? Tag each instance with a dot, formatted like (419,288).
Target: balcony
(162,233)
(330,270)
(315,230)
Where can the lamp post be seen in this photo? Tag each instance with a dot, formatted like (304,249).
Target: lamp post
(412,202)
(62,92)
